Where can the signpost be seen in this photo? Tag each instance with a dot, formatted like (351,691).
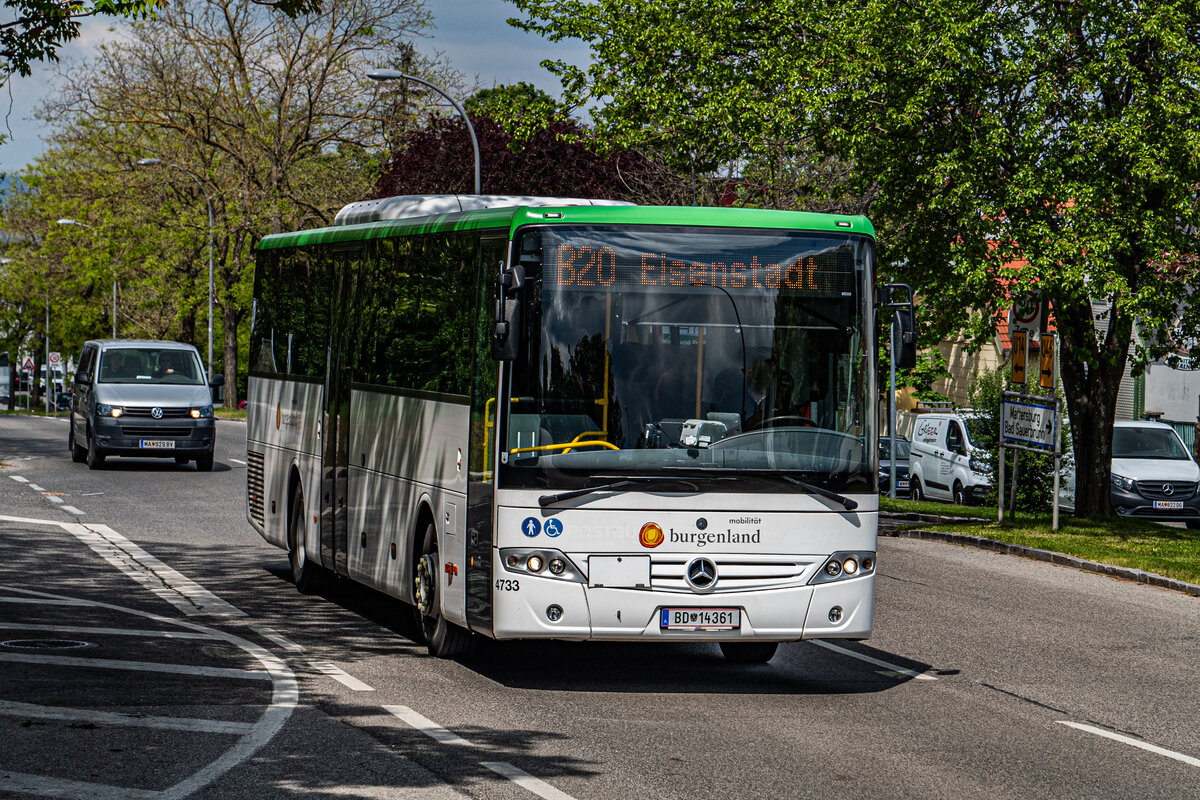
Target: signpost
(1030,422)
(1020,355)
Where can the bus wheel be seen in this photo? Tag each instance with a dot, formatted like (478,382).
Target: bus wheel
(749,652)
(305,574)
(444,638)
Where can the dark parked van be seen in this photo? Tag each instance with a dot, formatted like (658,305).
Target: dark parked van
(142,398)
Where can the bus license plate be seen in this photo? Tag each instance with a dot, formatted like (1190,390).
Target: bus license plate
(163,444)
(1168,504)
(701,619)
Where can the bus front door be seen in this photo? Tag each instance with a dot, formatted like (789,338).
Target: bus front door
(335,442)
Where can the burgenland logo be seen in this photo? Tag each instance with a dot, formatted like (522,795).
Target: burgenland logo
(285,420)
(278,415)
(651,535)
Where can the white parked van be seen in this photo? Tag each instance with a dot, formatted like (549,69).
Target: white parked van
(944,464)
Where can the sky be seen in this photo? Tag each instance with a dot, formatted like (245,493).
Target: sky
(472,34)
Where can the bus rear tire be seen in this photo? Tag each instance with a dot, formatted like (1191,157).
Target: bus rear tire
(443,638)
(749,652)
(307,575)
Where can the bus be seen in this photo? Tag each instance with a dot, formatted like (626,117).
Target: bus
(540,418)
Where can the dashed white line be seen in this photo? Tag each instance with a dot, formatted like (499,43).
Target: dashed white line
(525,780)
(427,726)
(341,676)
(54,499)
(238,461)
(1129,740)
(72,510)
(870,660)
(19,479)
(36,488)
(278,638)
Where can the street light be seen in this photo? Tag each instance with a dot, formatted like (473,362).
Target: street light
(155,162)
(396,75)
(114,313)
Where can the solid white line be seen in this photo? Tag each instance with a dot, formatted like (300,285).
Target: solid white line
(30,520)
(127,720)
(525,780)
(877,662)
(59,787)
(17,626)
(427,726)
(341,676)
(278,638)
(1116,737)
(238,461)
(137,666)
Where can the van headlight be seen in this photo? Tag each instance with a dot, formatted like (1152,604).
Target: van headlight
(1121,482)
(203,412)
(975,465)
(105,410)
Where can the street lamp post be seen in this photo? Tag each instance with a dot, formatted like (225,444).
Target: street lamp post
(114,311)
(396,75)
(155,162)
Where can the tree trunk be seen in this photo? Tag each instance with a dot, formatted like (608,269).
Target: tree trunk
(1091,377)
(229,320)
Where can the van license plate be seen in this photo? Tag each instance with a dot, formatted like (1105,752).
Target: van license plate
(1168,504)
(158,444)
(701,619)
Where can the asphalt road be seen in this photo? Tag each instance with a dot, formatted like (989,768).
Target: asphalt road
(151,646)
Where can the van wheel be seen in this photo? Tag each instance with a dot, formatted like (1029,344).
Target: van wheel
(95,456)
(307,575)
(443,638)
(204,463)
(960,494)
(917,492)
(78,454)
(749,652)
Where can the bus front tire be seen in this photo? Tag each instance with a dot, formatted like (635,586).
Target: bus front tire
(443,638)
(307,575)
(749,652)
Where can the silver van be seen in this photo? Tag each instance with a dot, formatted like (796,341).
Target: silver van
(143,398)
(944,464)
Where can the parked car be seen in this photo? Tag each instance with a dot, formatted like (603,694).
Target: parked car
(62,401)
(143,398)
(1153,474)
(901,447)
(943,462)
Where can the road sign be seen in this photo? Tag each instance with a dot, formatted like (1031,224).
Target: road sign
(1026,314)
(55,359)
(1027,423)
(1047,377)
(27,364)
(1020,354)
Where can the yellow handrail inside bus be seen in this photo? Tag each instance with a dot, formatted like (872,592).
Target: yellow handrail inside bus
(565,446)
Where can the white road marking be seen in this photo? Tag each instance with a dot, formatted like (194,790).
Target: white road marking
(278,638)
(238,461)
(17,626)
(525,780)
(1129,740)
(427,726)
(341,676)
(127,720)
(877,662)
(60,787)
(19,479)
(137,666)
(54,499)
(285,696)
(72,510)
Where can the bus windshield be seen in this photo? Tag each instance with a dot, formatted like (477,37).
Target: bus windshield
(664,351)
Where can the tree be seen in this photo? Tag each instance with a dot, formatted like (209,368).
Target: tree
(268,116)
(1058,136)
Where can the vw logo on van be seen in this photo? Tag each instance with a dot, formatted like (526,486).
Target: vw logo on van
(156,412)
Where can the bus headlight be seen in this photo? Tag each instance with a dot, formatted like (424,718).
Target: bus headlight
(543,563)
(843,566)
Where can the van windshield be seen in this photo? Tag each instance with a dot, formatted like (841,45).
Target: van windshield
(1148,443)
(150,365)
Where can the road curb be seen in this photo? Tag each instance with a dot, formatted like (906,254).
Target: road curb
(1061,559)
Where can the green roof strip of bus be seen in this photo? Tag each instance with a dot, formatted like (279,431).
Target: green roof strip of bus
(510,217)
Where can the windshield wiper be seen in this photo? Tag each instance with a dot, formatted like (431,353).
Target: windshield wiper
(551,499)
(846,502)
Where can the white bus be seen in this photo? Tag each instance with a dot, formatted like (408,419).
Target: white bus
(539,418)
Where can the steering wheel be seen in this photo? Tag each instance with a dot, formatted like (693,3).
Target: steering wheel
(789,419)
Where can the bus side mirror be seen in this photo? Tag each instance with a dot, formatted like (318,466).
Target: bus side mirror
(906,339)
(506,331)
